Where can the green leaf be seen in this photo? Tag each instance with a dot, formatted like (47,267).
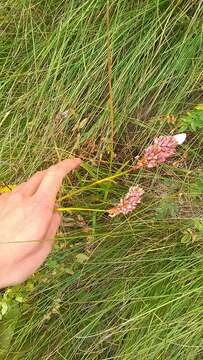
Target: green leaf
(19,299)
(69,271)
(197,187)
(199,225)
(193,126)
(30,286)
(166,209)
(4,308)
(199,107)
(193,120)
(186,239)
(81,258)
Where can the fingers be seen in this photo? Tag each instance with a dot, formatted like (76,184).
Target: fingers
(50,184)
(30,187)
(48,181)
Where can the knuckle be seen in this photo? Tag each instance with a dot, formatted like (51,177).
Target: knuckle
(46,206)
(43,204)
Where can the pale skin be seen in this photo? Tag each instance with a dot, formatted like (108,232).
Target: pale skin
(29,222)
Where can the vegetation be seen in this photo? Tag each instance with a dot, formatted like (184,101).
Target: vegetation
(100,79)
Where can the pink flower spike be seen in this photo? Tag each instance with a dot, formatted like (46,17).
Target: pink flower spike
(163,148)
(128,203)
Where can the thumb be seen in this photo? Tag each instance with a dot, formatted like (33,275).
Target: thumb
(52,181)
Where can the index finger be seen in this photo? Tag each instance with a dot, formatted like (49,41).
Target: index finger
(50,185)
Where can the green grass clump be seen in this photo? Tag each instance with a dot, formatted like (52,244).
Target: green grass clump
(100,79)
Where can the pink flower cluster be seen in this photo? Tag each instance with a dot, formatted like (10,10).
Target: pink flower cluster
(157,153)
(128,203)
(163,148)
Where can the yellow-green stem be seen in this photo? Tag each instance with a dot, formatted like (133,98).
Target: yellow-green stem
(69,209)
(95,183)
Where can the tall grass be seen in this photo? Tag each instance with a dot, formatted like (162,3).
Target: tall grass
(114,68)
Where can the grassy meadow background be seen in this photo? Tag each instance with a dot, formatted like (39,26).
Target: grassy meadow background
(100,79)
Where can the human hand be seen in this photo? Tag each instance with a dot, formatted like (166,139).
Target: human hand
(29,222)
